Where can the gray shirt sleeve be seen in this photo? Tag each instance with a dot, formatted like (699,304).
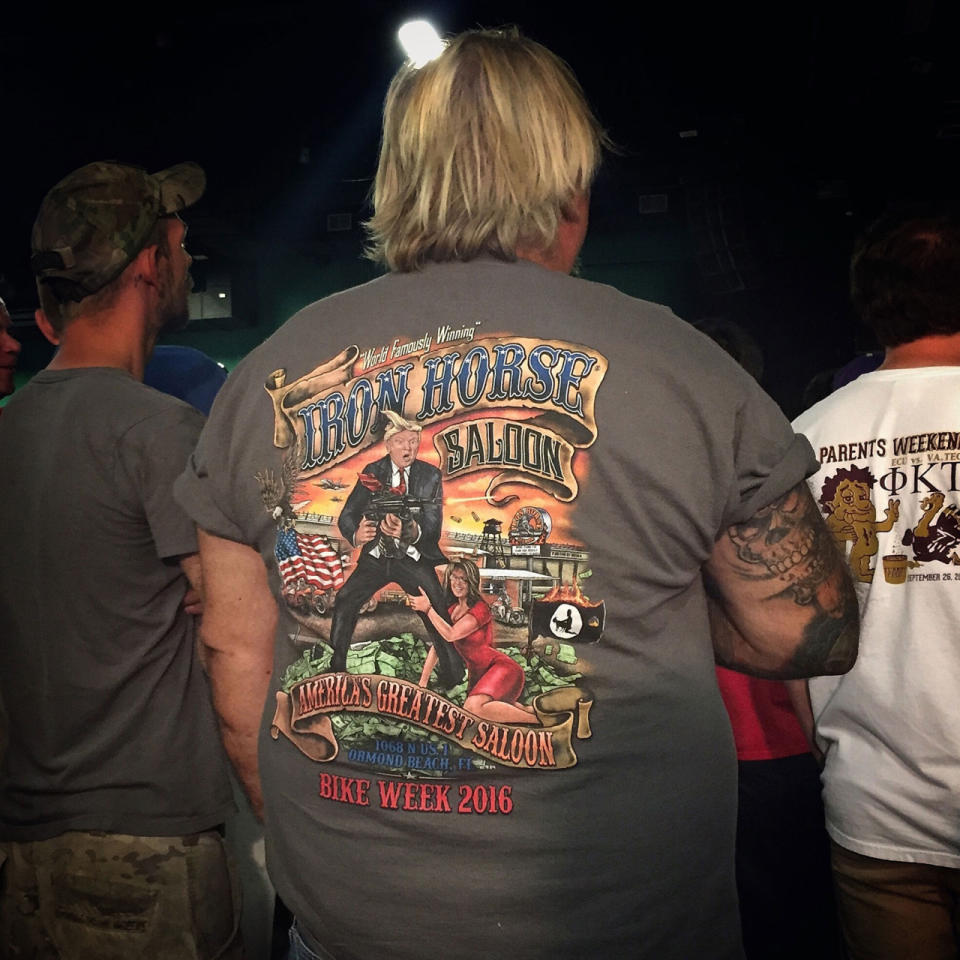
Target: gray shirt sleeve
(196,492)
(769,458)
(152,453)
(218,486)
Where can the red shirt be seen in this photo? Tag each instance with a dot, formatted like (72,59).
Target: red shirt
(764,724)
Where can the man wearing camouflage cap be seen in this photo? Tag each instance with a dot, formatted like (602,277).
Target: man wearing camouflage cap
(114,785)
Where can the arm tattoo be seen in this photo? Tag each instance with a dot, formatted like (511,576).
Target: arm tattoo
(788,542)
(829,644)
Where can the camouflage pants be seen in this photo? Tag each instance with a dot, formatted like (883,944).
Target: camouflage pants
(110,896)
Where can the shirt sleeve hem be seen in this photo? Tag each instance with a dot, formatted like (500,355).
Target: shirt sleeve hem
(178,547)
(798,463)
(193,495)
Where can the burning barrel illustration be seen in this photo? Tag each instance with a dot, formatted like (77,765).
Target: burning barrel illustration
(567,614)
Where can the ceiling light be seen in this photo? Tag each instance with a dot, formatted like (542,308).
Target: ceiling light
(420,42)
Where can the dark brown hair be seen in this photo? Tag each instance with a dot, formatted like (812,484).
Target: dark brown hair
(905,278)
(471,572)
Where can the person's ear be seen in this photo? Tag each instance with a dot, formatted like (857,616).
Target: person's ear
(145,266)
(46,327)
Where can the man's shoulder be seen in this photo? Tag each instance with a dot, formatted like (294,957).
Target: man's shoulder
(150,426)
(815,415)
(884,403)
(485,281)
(427,469)
(637,333)
(114,399)
(153,401)
(378,466)
(152,412)
(423,474)
(842,403)
(361,333)
(375,468)
(307,323)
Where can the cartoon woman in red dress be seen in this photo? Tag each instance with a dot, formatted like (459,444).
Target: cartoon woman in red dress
(494,681)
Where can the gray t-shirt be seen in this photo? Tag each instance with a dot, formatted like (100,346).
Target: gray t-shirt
(111,726)
(591,448)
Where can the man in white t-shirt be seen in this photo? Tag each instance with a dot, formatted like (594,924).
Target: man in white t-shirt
(889,451)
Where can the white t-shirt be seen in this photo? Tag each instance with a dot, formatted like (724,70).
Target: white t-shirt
(889,451)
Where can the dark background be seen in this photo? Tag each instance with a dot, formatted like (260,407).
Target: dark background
(809,121)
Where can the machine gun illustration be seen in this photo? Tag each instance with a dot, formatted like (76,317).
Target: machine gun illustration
(388,500)
(399,504)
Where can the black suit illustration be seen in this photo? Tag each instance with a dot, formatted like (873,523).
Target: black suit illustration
(374,572)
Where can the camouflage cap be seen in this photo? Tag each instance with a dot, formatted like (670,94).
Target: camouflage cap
(98,218)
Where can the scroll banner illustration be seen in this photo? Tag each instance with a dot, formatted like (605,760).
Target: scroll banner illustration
(329,411)
(564,715)
(287,397)
(530,449)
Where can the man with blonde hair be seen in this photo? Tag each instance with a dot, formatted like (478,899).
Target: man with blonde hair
(594,432)
(497,174)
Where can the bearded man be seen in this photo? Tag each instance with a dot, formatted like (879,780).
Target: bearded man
(114,785)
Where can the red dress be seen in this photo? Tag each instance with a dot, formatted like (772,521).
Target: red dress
(488,670)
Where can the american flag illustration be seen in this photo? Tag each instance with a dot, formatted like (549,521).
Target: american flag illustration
(309,556)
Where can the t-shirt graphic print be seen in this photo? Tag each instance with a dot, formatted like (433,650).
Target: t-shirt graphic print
(498,431)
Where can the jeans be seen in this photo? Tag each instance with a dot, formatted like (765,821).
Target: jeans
(300,951)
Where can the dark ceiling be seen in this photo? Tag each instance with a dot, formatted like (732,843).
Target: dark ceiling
(819,113)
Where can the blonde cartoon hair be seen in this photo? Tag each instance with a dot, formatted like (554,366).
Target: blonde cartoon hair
(483,150)
(396,424)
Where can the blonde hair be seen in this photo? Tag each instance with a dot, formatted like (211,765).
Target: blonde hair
(397,424)
(484,150)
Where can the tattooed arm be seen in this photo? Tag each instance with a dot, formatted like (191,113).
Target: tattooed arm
(780,596)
